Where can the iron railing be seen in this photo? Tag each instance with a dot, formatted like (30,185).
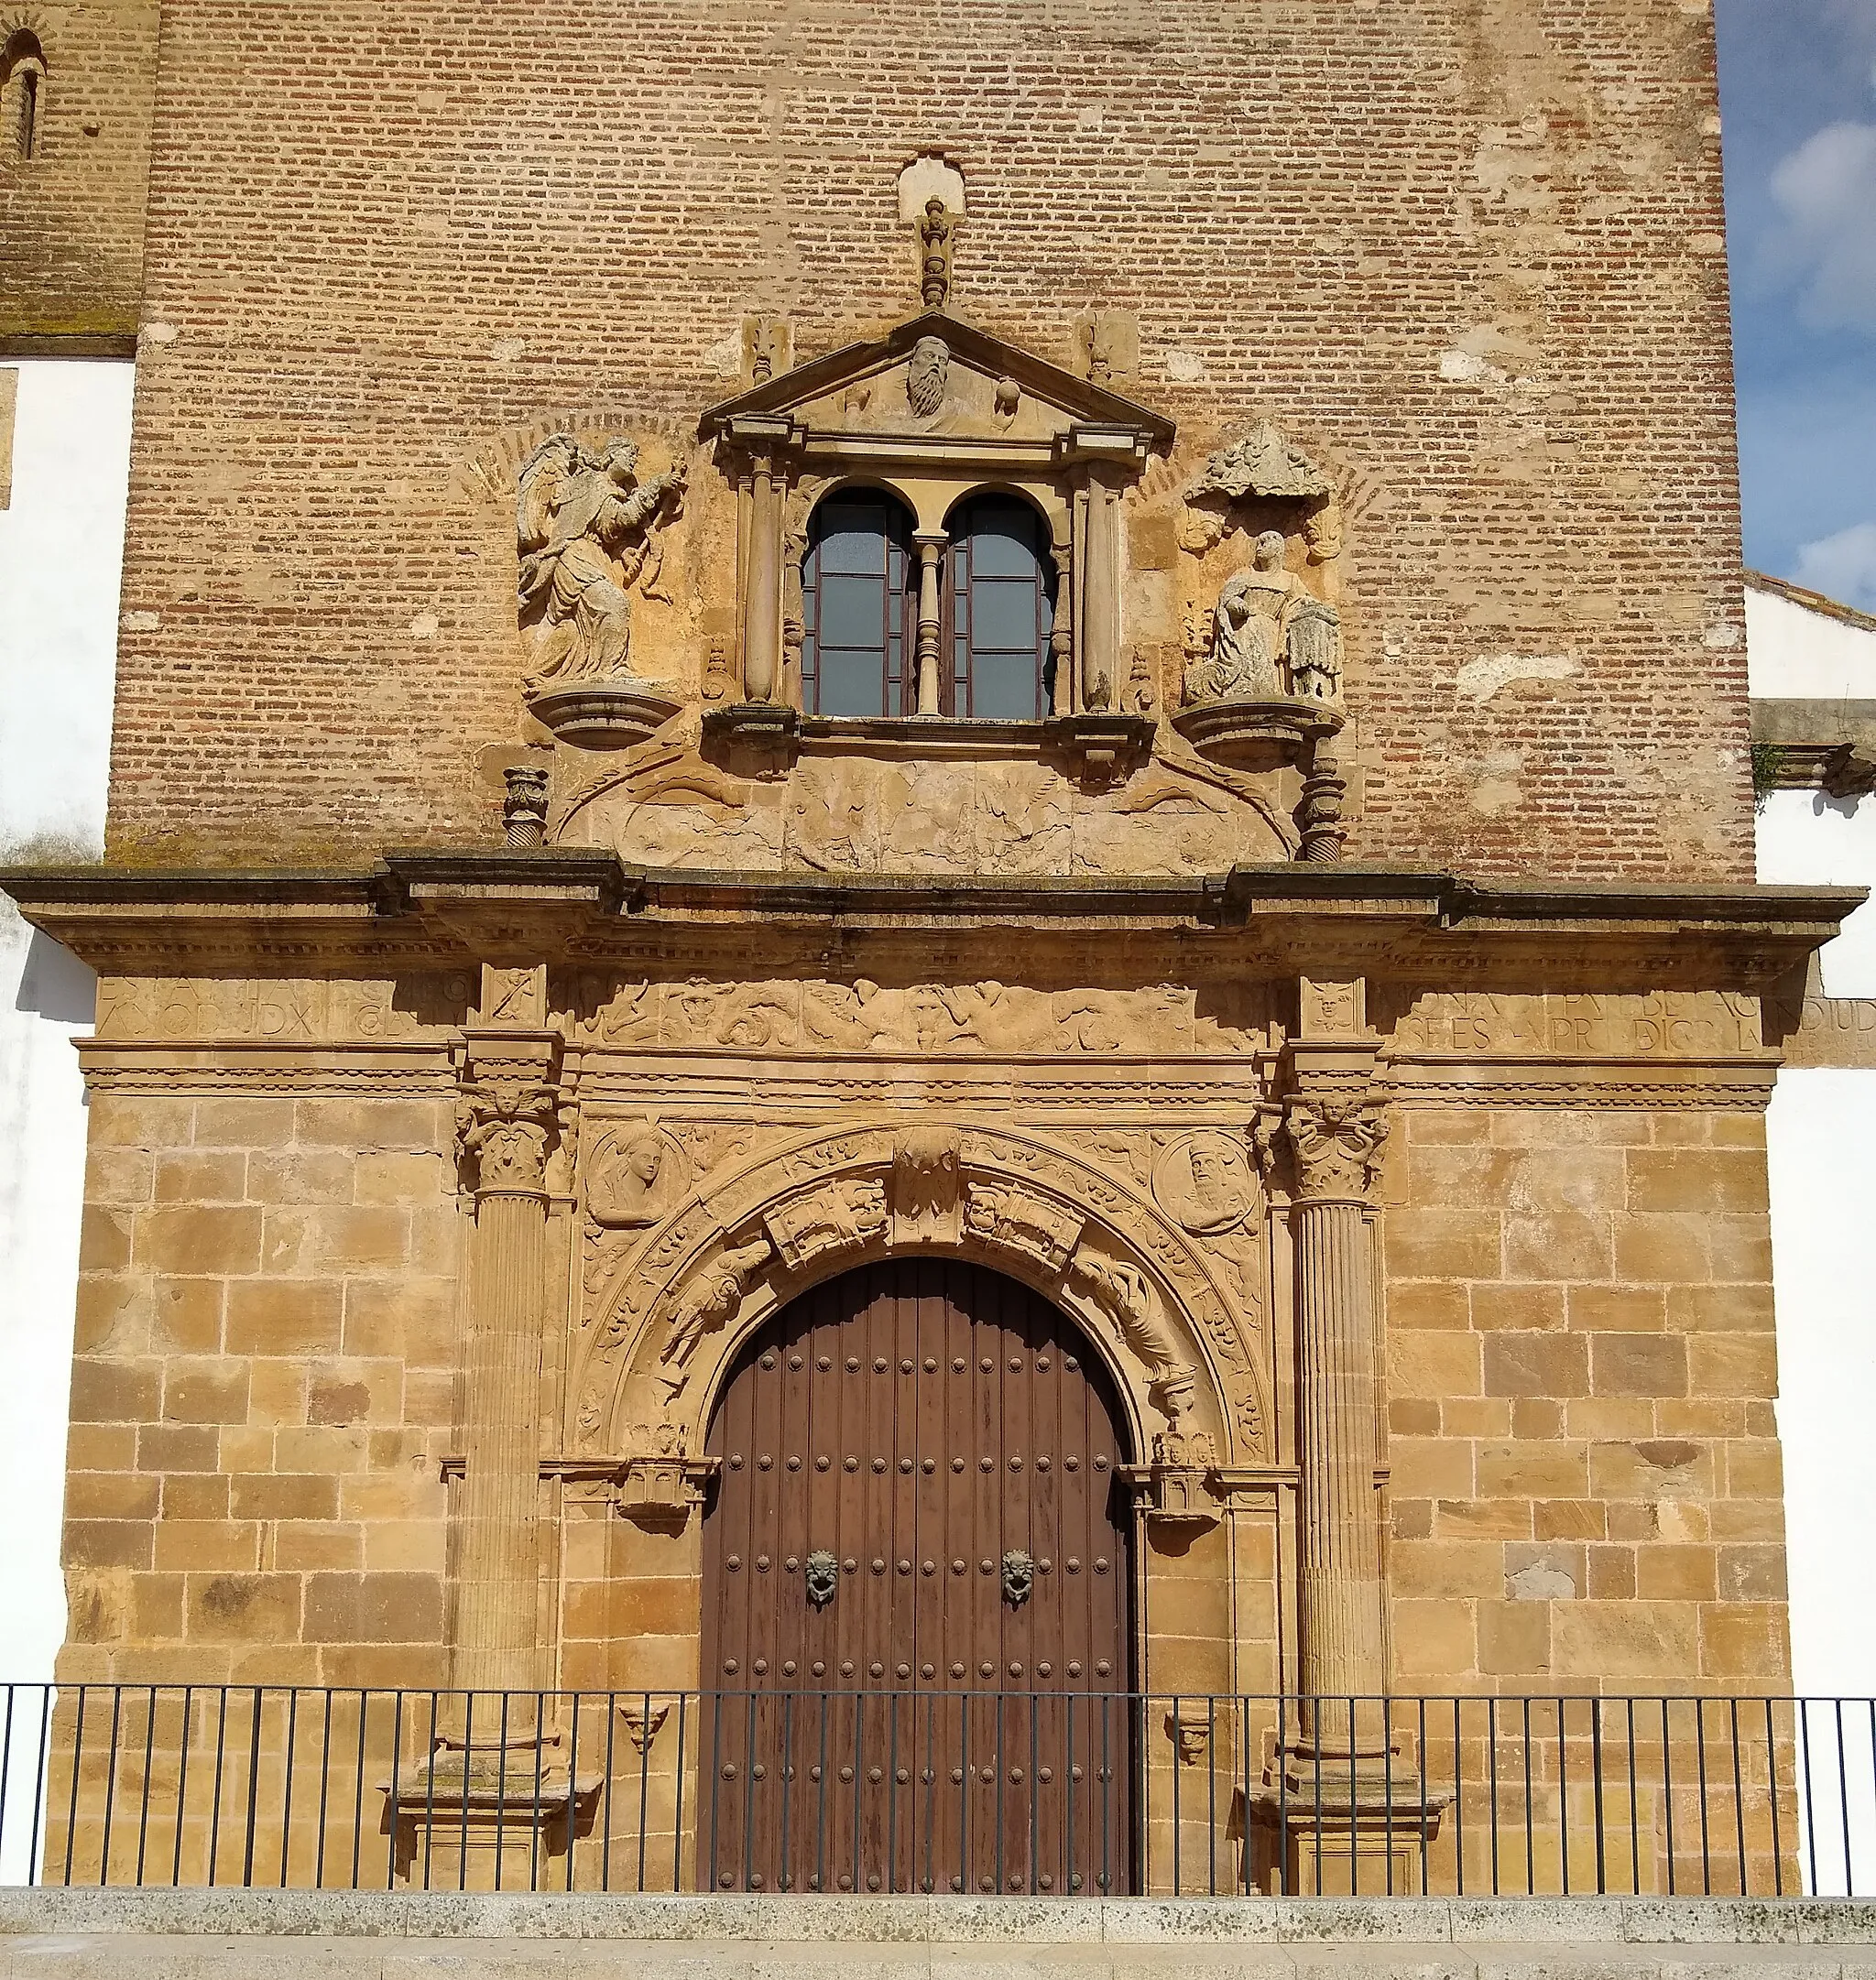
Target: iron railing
(1038,1793)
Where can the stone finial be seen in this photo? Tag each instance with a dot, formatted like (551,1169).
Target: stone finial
(524,810)
(934,254)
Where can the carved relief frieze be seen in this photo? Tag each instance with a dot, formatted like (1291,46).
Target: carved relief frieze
(988,1017)
(883,809)
(709,1300)
(286,1011)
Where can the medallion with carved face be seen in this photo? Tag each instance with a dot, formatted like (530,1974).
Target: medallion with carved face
(1204,1183)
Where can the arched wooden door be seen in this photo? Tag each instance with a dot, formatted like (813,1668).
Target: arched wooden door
(917,1590)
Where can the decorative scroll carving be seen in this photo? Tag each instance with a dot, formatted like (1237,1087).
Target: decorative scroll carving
(1016,1221)
(587,533)
(712,1298)
(927,1186)
(844,1214)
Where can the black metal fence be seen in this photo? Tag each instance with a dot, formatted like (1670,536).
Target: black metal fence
(1038,1793)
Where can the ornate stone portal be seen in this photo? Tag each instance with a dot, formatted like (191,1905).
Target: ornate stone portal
(536,1136)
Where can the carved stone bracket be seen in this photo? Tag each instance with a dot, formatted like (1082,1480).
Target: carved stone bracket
(603,714)
(1179,1487)
(1189,1727)
(1101,748)
(643,1723)
(764,736)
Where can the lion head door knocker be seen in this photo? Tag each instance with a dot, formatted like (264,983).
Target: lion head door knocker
(822,1578)
(1018,1577)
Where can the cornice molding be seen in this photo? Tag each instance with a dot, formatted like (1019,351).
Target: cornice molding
(449,907)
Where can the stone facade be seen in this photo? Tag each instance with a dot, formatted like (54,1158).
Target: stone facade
(1418,1221)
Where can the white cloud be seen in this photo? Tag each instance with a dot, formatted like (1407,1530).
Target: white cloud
(1826,191)
(1843,566)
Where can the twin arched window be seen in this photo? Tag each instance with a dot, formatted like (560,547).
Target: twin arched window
(860,609)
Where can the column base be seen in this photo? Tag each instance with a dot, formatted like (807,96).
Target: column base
(487,1817)
(1326,1825)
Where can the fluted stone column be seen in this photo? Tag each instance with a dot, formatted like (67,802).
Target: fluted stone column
(1349,1812)
(507,1122)
(1337,1144)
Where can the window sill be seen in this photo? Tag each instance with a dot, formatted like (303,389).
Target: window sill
(1101,745)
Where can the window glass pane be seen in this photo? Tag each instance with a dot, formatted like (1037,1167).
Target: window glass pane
(1003,614)
(854,539)
(852,683)
(853,612)
(1003,686)
(1003,537)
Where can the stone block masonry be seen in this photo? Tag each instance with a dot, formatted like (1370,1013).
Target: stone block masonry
(262,1391)
(87,1935)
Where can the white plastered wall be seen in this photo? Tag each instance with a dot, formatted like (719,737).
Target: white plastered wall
(1823,1179)
(62,552)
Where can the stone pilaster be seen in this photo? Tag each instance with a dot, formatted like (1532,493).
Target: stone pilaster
(1335,1140)
(506,1125)
(1342,1807)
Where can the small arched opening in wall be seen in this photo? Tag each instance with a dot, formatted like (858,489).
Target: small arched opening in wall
(917,1561)
(22,93)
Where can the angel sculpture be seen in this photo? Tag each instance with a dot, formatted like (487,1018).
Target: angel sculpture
(586,529)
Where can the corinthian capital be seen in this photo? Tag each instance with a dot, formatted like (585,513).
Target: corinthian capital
(1337,1144)
(508,1112)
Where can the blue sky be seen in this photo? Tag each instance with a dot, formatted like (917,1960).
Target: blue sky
(1798,83)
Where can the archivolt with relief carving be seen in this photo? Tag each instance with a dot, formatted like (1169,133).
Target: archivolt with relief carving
(1185,1332)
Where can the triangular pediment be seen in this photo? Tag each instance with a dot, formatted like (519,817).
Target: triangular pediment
(983,385)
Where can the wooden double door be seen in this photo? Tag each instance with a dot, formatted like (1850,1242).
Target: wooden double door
(917,1590)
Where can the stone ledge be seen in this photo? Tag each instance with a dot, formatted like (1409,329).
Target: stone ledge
(1629,1922)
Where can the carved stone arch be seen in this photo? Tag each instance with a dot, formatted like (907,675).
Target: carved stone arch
(1148,1296)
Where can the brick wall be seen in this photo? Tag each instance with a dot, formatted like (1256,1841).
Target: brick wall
(262,1391)
(1469,250)
(1587,1488)
(72,215)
